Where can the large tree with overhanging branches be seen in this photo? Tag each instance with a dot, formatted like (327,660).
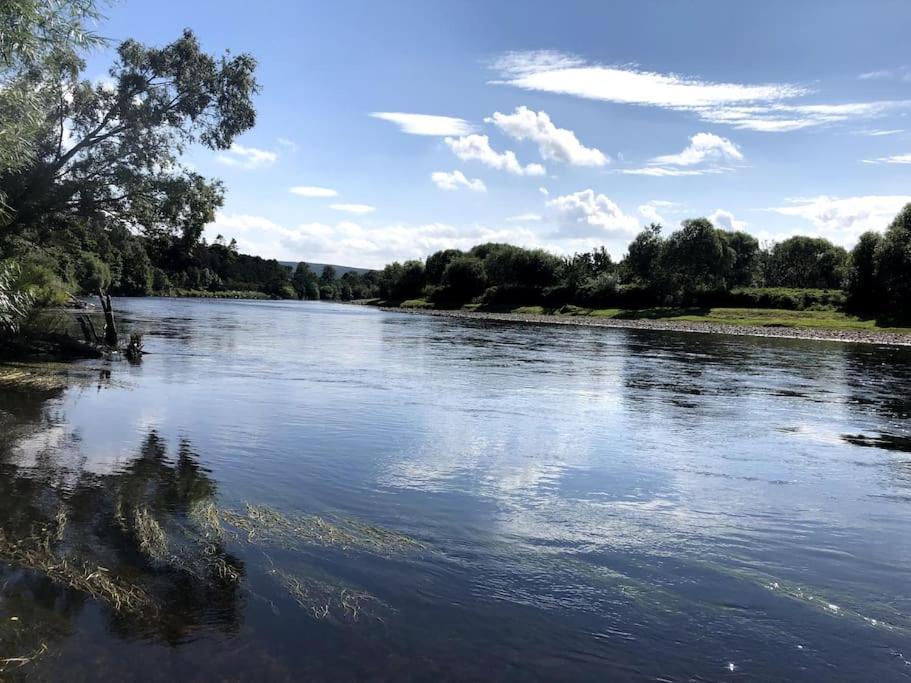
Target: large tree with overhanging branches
(109,152)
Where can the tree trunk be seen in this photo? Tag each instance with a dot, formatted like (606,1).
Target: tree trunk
(110,327)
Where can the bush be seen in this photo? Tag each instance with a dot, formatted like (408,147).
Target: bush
(92,274)
(599,291)
(790,299)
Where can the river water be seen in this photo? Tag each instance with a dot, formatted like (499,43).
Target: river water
(293,491)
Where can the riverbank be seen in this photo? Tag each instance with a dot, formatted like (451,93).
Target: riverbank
(771,323)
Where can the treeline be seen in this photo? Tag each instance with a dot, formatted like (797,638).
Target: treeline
(695,265)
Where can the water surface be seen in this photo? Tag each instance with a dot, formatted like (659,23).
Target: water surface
(514,502)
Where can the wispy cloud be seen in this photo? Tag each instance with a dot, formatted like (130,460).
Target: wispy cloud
(525,218)
(287,143)
(425,124)
(901,73)
(456,180)
(477,148)
(554,144)
(760,107)
(312,191)
(894,159)
(879,132)
(353,208)
(661,172)
(249,158)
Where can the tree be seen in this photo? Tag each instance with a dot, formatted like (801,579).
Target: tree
(893,266)
(696,258)
(642,261)
(111,151)
(437,262)
(31,33)
(746,268)
(806,262)
(464,278)
(304,282)
(861,283)
(328,276)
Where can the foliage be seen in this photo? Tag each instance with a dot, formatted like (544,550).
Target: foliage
(32,32)
(15,303)
(806,262)
(696,258)
(109,152)
(893,266)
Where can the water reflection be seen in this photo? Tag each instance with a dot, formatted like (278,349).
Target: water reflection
(387,496)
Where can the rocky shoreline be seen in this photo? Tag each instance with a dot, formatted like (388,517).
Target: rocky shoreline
(845,336)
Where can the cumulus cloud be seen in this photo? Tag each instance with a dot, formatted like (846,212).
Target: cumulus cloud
(843,219)
(456,180)
(726,221)
(586,214)
(247,157)
(703,148)
(760,107)
(350,243)
(554,144)
(477,148)
(353,208)
(425,124)
(312,191)
(707,150)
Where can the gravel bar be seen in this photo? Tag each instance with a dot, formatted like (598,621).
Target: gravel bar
(815,334)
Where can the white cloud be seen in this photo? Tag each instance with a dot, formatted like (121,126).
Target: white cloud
(902,73)
(544,191)
(455,180)
(287,143)
(703,148)
(843,219)
(650,213)
(726,221)
(247,157)
(660,172)
(477,148)
(894,159)
(759,107)
(425,124)
(586,214)
(312,191)
(353,208)
(525,218)
(879,132)
(554,144)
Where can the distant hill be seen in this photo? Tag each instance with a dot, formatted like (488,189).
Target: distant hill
(318,268)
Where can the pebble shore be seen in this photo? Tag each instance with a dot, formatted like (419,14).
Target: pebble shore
(846,336)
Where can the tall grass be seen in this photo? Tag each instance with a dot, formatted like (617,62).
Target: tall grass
(15,304)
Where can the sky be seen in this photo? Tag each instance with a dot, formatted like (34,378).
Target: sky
(390,130)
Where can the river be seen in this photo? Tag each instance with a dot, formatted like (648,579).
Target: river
(293,490)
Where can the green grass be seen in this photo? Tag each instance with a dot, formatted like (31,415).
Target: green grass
(752,317)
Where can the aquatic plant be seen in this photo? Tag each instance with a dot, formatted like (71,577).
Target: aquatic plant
(262,524)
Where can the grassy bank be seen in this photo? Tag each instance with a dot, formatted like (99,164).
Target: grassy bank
(830,320)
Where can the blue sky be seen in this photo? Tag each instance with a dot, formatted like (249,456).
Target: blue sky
(562,125)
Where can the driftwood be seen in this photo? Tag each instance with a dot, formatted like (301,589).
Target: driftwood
(110,327)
